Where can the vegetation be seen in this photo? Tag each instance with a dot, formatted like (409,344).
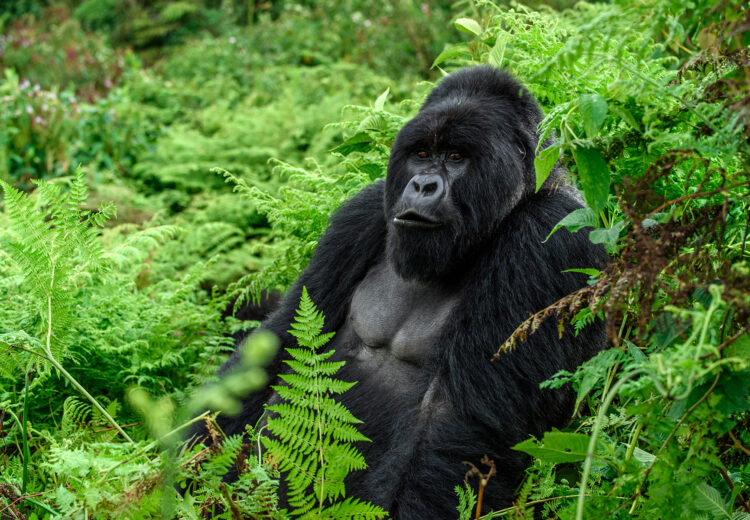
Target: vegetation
(112,317)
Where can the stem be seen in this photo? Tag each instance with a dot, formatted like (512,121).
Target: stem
(594,434)
(88,396)
(480,496)
(68,376)
(738,444)
(152,445)
(26,452)
(532,503)
(320,449)
(634,441)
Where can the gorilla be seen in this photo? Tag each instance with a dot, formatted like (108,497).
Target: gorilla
(423,276)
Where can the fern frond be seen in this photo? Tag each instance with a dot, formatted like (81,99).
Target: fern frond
(75,414)
(352,508)
(219,463)
(313,434)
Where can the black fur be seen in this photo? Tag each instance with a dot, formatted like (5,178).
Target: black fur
(490,256)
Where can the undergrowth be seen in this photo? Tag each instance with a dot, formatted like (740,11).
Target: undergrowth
(108,324)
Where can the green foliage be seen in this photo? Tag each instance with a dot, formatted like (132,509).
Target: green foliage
(53,51)
(657,153)
(298,213)
(648,104)
(57,251)
(313,434)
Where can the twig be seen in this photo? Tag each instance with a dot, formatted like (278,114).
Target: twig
(728,342)
(738,443)
(483,480)
(729,482)
(696,195)
(123,426)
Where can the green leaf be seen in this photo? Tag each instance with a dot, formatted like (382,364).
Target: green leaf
(380,102)
(593,176)
(608,237)
(468,25)
(556,447)
(709,499)
(643,456)
(590,272)
(497,52)
(740,347)
(593,108)
(626,116)
(450,52)
(359,142)
(543,164)
(575,221)
(734,388)
(373,170)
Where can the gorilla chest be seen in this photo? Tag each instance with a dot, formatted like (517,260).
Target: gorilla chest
(396,320)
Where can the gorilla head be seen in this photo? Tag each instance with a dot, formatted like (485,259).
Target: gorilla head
(457,170)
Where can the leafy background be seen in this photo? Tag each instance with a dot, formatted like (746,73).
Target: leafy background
(191,153)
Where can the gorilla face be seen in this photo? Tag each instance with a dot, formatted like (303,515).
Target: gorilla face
(456,171)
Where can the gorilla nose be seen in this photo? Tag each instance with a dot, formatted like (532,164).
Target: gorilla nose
(425,188)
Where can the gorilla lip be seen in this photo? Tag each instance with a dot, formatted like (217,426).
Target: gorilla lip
(414,219)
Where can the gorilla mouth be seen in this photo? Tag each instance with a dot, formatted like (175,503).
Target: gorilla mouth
(412,219)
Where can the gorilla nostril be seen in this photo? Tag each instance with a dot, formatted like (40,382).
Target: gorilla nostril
(429,189)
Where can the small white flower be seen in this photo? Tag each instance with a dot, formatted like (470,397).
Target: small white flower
(232,40)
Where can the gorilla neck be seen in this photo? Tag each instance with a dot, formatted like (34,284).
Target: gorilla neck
(397,318)
(432,258)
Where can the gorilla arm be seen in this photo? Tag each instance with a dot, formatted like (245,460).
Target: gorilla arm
(352,242)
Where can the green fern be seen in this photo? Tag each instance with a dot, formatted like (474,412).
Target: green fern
(56,248)
(313,433)
(56,245)
(467,501)
(75,414)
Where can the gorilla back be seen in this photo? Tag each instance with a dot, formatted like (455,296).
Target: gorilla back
(423,276)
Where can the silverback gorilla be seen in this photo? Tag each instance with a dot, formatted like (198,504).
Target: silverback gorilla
(423,276)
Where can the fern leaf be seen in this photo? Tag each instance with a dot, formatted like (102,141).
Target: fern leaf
(313,434)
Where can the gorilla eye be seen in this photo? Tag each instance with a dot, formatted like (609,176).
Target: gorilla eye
(422,154)
(455,156)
